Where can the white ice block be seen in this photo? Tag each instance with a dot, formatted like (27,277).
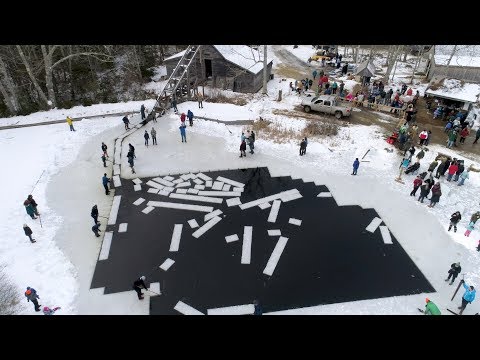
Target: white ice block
(168,178)
(193,223)
(387,239)
(275,256)
(248,309)
(181,206)
(212,214)
(272,217)
(208,183)
(148,209)
(192,191)
(185,309)
(264,206)
(231,238)
(116,181)
(153,191)
(274,232)
(122,227)
(184,184)
(324,194)
(233,202)
(231,182)
(374,224)
(199,187)
(280,195)
(204,177)
(137,181)
(181,191)
(198,181)
(196,198)
(176,235)
(247,245)
(137,187)
(217,185)
(163,182)
(138,201)
(207,226)
(220,193)
(295,221)
(112,219)
(155,185)
(226,187)
(107,242)
(167,264)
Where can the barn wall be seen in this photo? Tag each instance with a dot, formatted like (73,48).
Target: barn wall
(468,74)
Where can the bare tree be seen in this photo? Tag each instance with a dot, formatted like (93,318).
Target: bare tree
(9,295)
(265,80)
(392,61)
(8,89)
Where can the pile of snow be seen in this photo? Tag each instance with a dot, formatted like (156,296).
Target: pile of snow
(456,89)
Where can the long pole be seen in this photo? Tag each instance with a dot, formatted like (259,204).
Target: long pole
(31,192)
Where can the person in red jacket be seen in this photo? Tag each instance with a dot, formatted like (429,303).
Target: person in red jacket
(416,184)
(182,118)
(452,170)
(324,80)
(463,135)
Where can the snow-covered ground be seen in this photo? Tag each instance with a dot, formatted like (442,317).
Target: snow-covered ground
(61,263)
(77,112)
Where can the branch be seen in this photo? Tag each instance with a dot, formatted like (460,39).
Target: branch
(93,54)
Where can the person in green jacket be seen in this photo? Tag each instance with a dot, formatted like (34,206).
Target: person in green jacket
(431,308)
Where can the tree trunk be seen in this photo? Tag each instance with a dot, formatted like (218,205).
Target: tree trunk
(447,72)
(137,63)
(32,77)
(356,54)
(265,80)
(47,61)
(405,53)
(9,88)
(392,62)
(7,99)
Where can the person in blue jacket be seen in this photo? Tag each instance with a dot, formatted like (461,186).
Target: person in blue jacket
(105,181)
(468,297)
(190,117)
(183,132)
(356,164)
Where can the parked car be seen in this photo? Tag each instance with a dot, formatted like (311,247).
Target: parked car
(326,104)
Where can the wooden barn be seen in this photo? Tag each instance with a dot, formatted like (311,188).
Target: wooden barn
(466,68)
(230,67)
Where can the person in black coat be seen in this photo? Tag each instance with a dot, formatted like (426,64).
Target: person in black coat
(28,232)
(454,220)
(126,122)
(96,229)
(94,214)
(138,285)
(34,204)
(243,147)
(455,269)
(146,136)
(258,308)
(303,147)
(104,149)
(132,149)
(142,111)
(424,190)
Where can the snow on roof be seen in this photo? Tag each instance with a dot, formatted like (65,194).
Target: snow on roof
(180,54)
(457,90)
(467,61)
(243,56)
(366,69)
(240,55)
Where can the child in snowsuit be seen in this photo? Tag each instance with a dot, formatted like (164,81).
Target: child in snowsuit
(190,117)
(94,214)
(431,308)
(356,164)
(183,132)
(104,149)
(33,203)
(48,311)
(470,228)
(29,209)
(243,147)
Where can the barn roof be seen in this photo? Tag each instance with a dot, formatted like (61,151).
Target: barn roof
(457,90)
(467,61)
(366,69)
(241,55)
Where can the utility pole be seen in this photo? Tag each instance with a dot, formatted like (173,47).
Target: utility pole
(265,80)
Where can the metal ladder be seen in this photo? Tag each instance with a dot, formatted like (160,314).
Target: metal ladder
(176,77)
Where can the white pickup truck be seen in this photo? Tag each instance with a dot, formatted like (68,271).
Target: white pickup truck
(326,104)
